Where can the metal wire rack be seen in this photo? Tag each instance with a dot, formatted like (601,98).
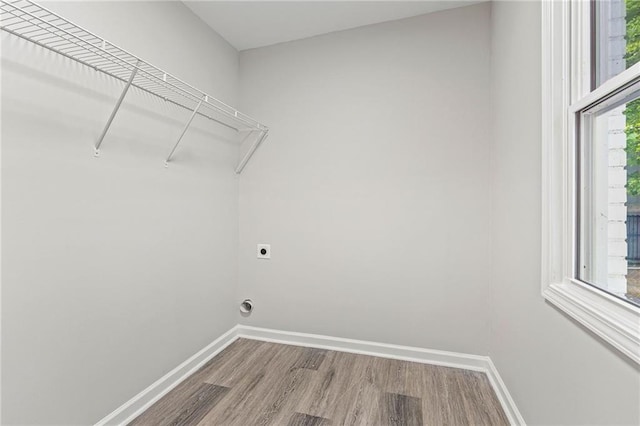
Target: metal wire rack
(32,22)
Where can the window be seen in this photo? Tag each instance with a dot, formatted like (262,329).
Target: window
(591,166)
(607,208)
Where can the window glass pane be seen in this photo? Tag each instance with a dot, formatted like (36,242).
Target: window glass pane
(609,198)
(616,39)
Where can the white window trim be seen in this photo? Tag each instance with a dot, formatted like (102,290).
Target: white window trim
(565,35)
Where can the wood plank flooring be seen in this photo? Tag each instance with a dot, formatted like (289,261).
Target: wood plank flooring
(259,383)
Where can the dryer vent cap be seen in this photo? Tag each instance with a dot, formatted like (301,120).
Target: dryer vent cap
(246,306)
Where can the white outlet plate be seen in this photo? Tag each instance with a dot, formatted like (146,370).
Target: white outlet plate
(266,248)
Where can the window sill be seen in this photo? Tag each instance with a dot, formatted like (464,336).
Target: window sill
(615,321)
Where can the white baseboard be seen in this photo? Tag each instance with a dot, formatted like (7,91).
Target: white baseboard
(404,353)
(145,399)
(135,406)
(508,404)
(362,347)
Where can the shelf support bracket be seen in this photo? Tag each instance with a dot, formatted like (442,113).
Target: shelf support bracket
(186,127)
(115,110)
(251,150)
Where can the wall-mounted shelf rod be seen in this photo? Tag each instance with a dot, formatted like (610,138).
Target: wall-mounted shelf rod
(243,162)
(115,111)
(32,22)
(186,127)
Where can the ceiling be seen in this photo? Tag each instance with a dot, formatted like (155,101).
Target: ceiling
(250,24)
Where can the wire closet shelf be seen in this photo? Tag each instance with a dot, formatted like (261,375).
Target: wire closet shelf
(32,22)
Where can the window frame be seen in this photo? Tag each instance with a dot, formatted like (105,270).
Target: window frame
(566,91)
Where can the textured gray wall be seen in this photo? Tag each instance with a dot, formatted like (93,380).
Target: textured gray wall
(557,372)
(373,187)
(115,269)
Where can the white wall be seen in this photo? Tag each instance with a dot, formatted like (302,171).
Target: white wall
(115,269)
(373,187)
(557,371)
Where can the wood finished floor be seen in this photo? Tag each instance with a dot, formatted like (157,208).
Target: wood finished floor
(259,383)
